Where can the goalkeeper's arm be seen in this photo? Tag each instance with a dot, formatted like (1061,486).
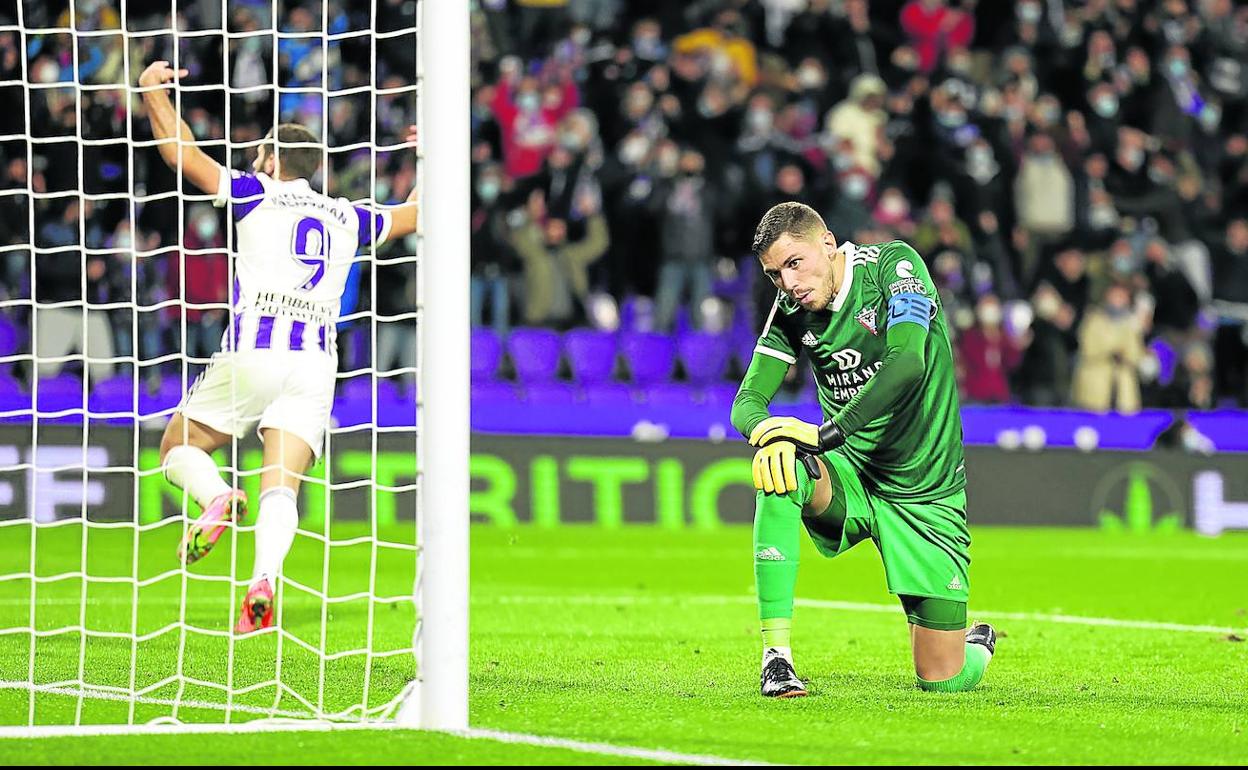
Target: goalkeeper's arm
(184,155)
(901,369)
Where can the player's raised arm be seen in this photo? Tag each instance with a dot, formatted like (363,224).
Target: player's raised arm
(183,156)
(405,217)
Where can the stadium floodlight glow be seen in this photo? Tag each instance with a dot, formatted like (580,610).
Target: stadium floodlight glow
(100,624)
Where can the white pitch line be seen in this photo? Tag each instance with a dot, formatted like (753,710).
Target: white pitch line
(888,609)
(268,726)
(608,749)
(95,694)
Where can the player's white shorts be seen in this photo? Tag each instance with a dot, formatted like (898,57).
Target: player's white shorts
(290,390)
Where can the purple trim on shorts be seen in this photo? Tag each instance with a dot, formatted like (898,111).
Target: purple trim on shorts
(264,335)
(238,330)
(296,335)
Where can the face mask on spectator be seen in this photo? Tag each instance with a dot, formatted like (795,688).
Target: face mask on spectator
(633,149)
(1029,13)
(856,187)
(648,46)
(1050,113)
(488,189)
(759,120)
(1159,176)
(581,36)
(1123,263)
(206,228)
(667,162)
(1106,106)
(810,78)
(1047,305)
(952,118)
(123,241)
(1177,67)
(1210,117)
(528,101)
(842,161)
(1132,158)
(990,314)
(568,140)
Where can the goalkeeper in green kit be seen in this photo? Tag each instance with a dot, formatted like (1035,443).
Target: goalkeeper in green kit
(887,462)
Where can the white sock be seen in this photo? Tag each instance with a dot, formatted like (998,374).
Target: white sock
(777,652)
(275,532)
(190,468)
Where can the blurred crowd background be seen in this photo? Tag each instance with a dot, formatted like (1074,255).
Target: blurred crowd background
(1075,174)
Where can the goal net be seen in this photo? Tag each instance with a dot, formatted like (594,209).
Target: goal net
(115,292)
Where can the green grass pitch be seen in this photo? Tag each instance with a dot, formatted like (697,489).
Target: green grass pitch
(645,637)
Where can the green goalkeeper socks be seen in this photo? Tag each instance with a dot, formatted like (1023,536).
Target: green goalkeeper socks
(777,541)
(977,657)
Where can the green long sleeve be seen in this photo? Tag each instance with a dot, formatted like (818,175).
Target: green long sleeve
(901,369)
(761,382)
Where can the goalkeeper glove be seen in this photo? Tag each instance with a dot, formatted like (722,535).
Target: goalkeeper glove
(807,437)
(775,468)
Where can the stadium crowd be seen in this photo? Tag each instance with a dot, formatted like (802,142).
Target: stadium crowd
(1074,173)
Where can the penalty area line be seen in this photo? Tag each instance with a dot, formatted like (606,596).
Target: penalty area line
(886,609)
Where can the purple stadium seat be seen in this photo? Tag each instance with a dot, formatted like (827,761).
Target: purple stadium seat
(704,355)
(353,406)
(609,394)
(60,394)
(650,357)
(8,336)
(720,396)
(591,354)
(551,393)
(637,314)
(535,353)
(1167,359)
(486,352)
(112,396)
(742,345)
(13,398)
(671,394)
(164,398)
(494,393)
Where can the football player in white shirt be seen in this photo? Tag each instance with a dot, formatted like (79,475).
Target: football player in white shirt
(278,360)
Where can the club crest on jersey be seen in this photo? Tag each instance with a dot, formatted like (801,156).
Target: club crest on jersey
(866,317)
(809,339)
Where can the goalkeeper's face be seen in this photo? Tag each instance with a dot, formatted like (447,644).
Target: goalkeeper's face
(801,267)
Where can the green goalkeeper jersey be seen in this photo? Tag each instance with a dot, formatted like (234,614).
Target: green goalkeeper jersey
(884,368)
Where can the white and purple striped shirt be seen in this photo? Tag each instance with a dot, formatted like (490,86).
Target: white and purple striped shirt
(294,252)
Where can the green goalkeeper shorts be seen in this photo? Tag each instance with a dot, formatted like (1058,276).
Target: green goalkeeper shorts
(925,546)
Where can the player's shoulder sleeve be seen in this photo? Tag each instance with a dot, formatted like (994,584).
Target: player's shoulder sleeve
(245,191)
(374,226)
(907,285)
(776,341)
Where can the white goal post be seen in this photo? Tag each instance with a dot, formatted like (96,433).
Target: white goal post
(99,625)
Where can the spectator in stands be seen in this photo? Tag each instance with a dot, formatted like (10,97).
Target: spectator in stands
(207,279)
(1111,346)
(493,261)
(1046,364)
(1176,301)
(987,355)
(1230,295)
(860,119)
(1044,195)
(934,28)
(687,208)
(61,331)
(556,270)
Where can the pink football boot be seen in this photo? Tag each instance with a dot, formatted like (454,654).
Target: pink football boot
(257,608)
(207,530)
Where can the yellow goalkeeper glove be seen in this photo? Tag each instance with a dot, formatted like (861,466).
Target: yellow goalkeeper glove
(775,468)
(803,434)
